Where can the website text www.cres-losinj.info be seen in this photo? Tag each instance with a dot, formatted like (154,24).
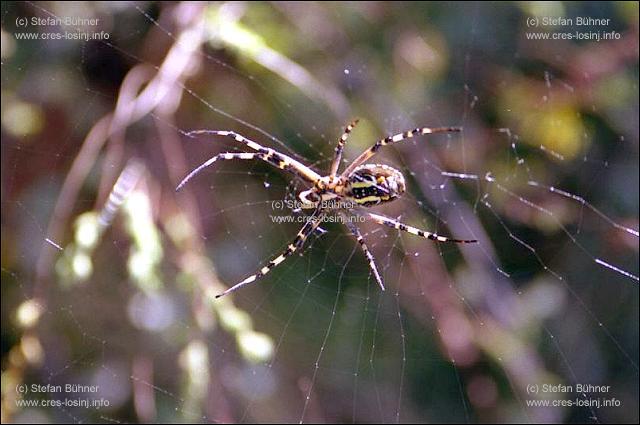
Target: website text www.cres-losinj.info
(326,219)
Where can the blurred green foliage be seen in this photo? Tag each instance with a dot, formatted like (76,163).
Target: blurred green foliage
(458,336)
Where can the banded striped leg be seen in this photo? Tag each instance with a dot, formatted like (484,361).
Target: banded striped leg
(364,156)
(272,158)
(281,160)
(297,243)
(338,155)
(372,263)
(387,221)
(227,156)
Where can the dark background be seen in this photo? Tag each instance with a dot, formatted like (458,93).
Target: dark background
(461,334)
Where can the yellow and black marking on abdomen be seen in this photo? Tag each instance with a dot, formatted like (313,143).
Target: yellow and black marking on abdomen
(372,184)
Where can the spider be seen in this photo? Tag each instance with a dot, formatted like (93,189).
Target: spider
(363,185)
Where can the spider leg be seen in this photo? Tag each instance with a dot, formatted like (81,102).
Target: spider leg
(364,156)
(387,221)
(297,243)
(271,155)
(320,231)
(372,263)
(338,155)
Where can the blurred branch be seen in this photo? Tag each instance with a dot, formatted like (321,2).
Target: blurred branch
(129,108)
(224,29)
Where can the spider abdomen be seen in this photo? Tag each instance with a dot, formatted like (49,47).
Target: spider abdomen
(372,184)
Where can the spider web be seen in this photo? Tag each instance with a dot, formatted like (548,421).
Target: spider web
(544,175)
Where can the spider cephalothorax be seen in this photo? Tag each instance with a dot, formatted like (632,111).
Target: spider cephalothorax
(364,185)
